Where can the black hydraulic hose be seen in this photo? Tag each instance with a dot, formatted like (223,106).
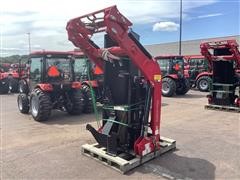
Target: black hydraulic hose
(147,109)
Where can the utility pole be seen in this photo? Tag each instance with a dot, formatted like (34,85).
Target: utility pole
(29,42)
(180,30)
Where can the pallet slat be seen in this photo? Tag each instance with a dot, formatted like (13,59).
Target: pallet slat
(119,163)
(223,108)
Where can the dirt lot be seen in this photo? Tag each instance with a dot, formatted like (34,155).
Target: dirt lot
(208,144)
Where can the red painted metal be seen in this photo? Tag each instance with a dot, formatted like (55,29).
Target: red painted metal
(117,27)
(204,74)
(231,44)
(76,85)
(45,87)
(188,57)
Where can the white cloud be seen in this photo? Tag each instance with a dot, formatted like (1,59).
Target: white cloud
(165,26)
(209,15)
(46,19)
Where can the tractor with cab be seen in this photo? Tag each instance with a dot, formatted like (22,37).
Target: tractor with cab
(197,68)
(50,85)
(174,79)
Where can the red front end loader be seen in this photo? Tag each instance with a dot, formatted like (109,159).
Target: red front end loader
(129,134)
(224,62)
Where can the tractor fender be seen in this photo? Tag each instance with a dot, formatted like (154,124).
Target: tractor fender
(94,84)
(172,76)
(186,73)
(204,74)
(45,87)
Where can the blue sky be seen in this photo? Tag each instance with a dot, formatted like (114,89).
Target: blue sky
(157,21)
(214,20)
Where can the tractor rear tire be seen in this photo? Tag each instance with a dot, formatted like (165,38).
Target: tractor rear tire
(77,102)
(203,83)
(13,85)
(168,87)
(184,88)
(23,87)
(88,106)
(23,103)
(4,86)
(40,105)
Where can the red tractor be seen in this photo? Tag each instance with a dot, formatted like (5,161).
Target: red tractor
(197,68)
(174,80)
(16,73)
(224,62)
(10,75)
(4,77)
(51,84)
(4,82)
(90,76)
(130,128)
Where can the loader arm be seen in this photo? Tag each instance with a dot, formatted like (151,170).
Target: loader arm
(81,29)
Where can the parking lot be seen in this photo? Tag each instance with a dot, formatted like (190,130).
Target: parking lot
(208,144)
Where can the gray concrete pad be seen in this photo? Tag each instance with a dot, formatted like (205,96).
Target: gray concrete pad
(208,144)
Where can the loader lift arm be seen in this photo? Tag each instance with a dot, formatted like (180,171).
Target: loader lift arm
(80,31)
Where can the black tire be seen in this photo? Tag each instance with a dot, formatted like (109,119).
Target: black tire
(23,86)
(88,106)
(183,88)
(4,86)
(203,83)
(168,87)
(75,107)
(40,105)
(23,103)
(13,85)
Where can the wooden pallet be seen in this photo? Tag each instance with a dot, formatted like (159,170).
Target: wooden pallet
(223,108)
(125,162)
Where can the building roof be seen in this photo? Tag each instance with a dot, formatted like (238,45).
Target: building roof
(191,47)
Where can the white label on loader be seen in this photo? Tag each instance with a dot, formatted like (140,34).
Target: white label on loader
(147,149)
(219,95)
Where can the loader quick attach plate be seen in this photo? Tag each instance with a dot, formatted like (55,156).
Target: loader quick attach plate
(223,108)
(125,162)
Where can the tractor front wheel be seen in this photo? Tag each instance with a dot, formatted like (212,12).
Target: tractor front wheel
(23,87)
(203,83)
(88,106)
(23,103)
(75,106)
(13,85)
(183,87)
(40,105)
(168,87)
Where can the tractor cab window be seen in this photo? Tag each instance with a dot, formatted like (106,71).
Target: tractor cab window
(164,65)
(59,69)
(177,65)
(80,67)
(36,69)
(198,63)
